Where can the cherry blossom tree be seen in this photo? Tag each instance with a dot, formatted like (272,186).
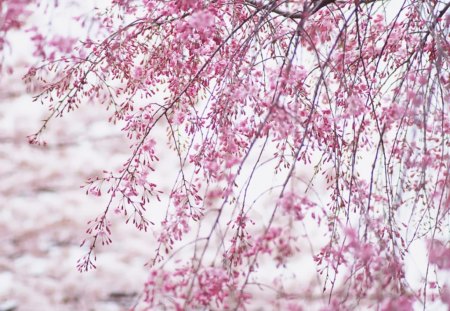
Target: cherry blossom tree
(308,142)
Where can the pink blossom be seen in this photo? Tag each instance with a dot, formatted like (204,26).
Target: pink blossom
(439,254)
(258,135)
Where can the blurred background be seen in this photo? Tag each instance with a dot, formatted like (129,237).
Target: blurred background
(43,210)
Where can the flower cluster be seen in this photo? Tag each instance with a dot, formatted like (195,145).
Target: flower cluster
(273,111)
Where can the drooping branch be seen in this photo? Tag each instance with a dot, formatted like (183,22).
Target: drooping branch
(314,7)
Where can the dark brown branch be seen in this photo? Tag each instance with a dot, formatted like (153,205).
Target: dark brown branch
(277,10)
(316,5)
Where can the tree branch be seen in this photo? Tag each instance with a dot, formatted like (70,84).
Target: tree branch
(316,5)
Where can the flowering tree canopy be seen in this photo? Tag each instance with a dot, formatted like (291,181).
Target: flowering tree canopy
(309,142)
